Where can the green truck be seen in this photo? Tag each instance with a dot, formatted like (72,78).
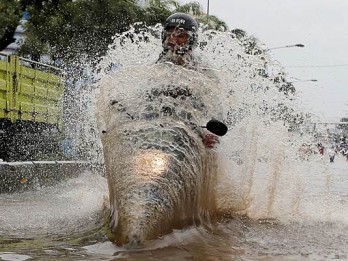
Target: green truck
(31,109)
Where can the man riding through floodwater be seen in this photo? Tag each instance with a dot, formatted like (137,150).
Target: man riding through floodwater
(179,38)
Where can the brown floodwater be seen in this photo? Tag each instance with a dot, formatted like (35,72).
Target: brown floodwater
(67,222)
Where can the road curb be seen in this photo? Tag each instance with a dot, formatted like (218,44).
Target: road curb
(29,175)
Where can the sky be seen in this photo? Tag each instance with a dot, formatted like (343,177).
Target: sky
(320,25)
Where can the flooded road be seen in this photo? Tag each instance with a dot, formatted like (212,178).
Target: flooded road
(282,206)
(67,223)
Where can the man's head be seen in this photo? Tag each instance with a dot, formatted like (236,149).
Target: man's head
(180,33)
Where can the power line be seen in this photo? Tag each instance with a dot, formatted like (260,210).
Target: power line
(306,66)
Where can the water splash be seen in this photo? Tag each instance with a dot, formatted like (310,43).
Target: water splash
(261,172)
(74,205)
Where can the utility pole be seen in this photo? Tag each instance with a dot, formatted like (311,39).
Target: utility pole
(208,8)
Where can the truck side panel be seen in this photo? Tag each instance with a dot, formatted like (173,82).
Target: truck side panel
(6,91)
(29,94)
(31,109)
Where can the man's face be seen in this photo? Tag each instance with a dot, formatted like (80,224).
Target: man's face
(176,38)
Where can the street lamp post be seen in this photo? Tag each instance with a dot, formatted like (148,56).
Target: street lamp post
(286,46)
(300,80)
(208,8)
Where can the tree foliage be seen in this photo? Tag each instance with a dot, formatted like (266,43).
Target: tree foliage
(211,22)
(9,18)
(68,30)
(156,11)
(193,8)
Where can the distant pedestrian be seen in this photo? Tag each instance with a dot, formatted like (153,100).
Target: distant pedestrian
(321,148)
(331,153)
